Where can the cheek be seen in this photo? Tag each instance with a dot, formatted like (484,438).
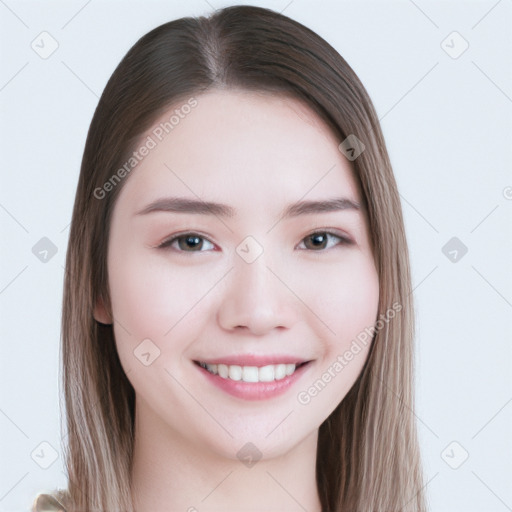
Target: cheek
(348,304)
(151,296)
(156,302)
(346,296)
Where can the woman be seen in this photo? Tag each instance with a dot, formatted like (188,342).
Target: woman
(273,369)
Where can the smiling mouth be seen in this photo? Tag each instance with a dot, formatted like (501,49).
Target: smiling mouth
(268,373)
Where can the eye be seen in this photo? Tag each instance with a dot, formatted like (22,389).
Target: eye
(319,240)
(192,241)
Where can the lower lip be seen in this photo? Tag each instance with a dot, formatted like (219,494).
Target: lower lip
(255,390)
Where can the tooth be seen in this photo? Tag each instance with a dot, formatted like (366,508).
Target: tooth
(223,370)
(290,368)
(266,374)
(280,371)
(212,368)
(250,374)
(235,372)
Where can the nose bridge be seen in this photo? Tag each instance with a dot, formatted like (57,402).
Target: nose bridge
(255,298)
(252,280)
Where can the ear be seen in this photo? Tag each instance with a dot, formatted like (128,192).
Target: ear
(101,314)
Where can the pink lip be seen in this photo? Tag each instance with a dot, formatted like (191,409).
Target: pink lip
(254,360)
(254,390)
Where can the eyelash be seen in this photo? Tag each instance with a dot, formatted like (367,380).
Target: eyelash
(343,241)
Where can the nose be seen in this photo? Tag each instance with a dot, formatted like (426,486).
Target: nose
(257,299)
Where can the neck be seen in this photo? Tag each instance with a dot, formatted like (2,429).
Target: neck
(171,473)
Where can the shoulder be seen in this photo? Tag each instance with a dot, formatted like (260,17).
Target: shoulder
(49,502)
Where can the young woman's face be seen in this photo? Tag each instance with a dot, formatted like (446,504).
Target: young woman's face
(246,286)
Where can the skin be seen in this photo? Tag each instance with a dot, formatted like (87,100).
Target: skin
(257,153)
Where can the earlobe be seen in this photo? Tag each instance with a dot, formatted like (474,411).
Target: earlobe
(100,313)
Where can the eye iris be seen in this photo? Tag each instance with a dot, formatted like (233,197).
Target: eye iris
(319,240)
(195,242)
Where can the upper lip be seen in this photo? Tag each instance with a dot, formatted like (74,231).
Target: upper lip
(254,360)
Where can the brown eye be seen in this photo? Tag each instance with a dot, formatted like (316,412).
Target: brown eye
(189,242)
(319,240)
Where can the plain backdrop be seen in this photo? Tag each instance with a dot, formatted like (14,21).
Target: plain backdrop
(440,77)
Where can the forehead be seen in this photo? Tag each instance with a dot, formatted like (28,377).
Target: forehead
(240,147)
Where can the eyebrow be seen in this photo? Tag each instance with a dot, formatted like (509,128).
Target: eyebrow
(188,205)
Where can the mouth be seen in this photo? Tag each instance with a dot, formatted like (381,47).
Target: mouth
(253,373)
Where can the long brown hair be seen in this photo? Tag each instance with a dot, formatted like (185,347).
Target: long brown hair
(368,455)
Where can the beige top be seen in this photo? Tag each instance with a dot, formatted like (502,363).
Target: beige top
(47,503)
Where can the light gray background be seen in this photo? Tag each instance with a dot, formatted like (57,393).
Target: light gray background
(447,123)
